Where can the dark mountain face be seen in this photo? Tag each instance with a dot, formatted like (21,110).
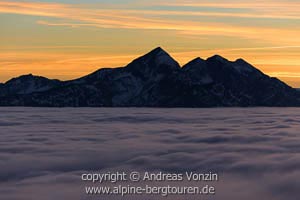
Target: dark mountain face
(27,84)
(239,84)
(156,80)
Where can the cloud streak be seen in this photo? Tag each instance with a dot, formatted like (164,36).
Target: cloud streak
(148,20)
(285,74)
(287,7)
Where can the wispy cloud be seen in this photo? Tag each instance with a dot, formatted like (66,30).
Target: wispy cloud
(246,49)
(230,8)
(285,74)
(265,6)
(255,15)
(151,20)
(64,66)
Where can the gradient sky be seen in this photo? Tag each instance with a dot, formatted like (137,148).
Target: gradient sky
(66,39)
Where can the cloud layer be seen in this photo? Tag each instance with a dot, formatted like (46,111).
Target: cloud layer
(44,151)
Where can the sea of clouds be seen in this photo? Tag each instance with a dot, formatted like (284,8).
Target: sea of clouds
(44,151)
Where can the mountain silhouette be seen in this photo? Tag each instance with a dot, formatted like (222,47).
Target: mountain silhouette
(156,80)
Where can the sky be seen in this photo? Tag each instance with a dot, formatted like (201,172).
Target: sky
(66,39)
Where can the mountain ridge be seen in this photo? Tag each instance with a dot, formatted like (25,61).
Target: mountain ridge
(156,80)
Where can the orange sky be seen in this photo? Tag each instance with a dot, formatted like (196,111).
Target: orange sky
(68,39)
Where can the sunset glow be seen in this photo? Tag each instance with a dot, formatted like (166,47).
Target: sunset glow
(67,39)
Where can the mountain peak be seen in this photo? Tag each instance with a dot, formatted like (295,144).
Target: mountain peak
(195,62)
(154,60)
(28,75)
(158,49)
(158,52)
(22,77)
(241,61)
(29,83)
(218,58)
(243,66)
